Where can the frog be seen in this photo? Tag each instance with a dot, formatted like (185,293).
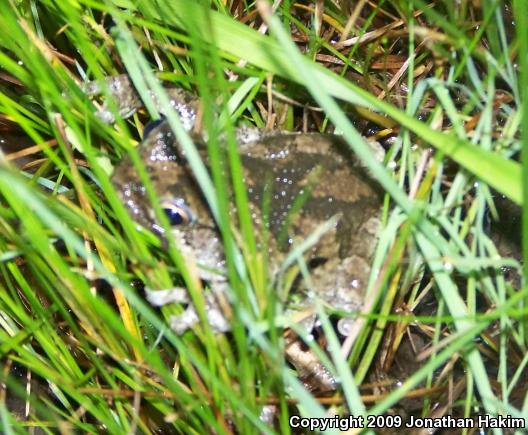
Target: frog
(307,181)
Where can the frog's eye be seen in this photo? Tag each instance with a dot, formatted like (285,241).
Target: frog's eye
(177,212)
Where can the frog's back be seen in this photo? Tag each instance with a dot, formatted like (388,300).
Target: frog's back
(317,174)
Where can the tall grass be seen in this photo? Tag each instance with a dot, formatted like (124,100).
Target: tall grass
(73,262)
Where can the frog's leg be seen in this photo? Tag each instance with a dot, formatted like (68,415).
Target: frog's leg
(215,317)
(127,100)
(309,367)
(340,283)
(158,298)
(179,324)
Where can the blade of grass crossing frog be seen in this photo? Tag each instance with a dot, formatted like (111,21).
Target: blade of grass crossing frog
(239,101)
(207,64)
(138,68)
(341,367)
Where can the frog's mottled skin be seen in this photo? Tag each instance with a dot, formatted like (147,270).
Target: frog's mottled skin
(316,171)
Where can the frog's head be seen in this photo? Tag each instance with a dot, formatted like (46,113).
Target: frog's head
(181,199)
